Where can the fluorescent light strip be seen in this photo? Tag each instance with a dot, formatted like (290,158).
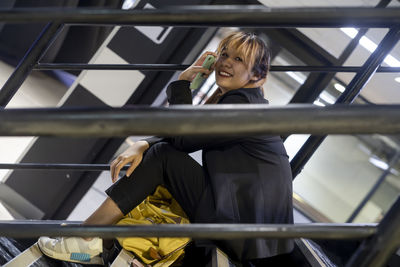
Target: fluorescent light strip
(318,103)
(340,87)
(297,77)
(328,98)
(370,46)
(391,61)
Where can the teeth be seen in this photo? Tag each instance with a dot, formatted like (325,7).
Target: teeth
(223,73)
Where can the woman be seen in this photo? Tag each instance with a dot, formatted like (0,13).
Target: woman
(242,180)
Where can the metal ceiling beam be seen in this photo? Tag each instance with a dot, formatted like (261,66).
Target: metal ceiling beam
(219,16)
(200,121)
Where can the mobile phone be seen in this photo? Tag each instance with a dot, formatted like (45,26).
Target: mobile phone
(199,79)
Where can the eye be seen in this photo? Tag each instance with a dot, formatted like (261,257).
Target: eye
(238,59)
(224,54)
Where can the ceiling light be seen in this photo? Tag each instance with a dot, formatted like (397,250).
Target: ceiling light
(370,46)
(318,103)
(339,87)
(397,79)
(351,32)
(297,77)
(328,98)
(378,163)
(391,61)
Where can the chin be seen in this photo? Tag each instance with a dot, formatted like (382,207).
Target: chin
(224,86)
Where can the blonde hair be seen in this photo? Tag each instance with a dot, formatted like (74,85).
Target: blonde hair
(253,50)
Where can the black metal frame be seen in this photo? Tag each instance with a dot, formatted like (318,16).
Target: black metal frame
(387,235)
(349,95)
(34,54)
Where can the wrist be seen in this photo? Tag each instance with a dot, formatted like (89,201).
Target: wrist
(182,78)
(142,145)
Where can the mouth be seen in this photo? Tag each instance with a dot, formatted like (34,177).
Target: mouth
(224,74)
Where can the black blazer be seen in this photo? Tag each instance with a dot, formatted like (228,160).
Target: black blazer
(250,177)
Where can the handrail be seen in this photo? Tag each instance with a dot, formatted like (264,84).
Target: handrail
(210,231)
(175,67)
(56,166)
(201,120)
(207,16)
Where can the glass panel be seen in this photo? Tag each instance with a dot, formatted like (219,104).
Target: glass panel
(341,173)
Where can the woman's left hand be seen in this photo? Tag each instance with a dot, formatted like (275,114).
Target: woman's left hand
(133,156)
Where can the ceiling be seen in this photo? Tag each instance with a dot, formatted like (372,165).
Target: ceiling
(382,88)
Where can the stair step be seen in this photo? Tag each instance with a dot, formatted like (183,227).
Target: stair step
(26,258)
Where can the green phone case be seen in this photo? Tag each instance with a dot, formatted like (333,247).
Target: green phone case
(199,79)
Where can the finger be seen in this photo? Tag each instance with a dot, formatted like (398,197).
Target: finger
(201,59)
(119,166)
(211,53)
(112,167)
(206,72)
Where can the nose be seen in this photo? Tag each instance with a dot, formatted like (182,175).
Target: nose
(226,62)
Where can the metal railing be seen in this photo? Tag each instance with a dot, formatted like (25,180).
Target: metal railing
(220,16)
(209,231)
(200,121)
(379,241)
(175,67)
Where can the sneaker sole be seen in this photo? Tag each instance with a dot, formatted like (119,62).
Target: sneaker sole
(76,257)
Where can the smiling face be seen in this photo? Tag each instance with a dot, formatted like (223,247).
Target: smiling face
(231,72)
(243,62)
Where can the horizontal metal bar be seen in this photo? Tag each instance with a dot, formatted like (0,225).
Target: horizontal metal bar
(56,166)
(209,231)
(78,66)
(201,120)
(175,67)
(213,16)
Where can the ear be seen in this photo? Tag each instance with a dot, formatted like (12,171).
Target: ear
(257,81)
(255,78)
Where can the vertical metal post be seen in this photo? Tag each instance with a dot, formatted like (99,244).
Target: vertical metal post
(372,191)
(25,66)
(376,250)
(348,96)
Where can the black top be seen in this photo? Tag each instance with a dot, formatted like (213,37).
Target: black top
(250,176)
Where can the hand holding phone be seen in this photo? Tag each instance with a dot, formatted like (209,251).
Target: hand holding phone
(199,79)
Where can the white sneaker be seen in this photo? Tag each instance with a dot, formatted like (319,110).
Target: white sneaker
(72,249)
